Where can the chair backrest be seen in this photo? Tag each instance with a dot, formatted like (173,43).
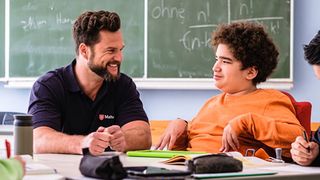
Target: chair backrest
(303,112)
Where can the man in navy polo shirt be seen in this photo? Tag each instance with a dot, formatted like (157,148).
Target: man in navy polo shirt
(89,103)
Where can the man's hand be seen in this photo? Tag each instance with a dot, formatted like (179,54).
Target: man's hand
(175,130)
(97,141)
(117,140)
(229,140)
(304,153)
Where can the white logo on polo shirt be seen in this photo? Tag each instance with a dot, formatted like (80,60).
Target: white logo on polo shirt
(103,117)
(108,117)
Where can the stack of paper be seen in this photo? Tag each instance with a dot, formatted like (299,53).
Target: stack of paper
(37,168)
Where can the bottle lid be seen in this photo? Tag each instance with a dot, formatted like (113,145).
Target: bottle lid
(22,116)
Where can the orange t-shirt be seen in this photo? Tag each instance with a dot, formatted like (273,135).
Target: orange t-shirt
(261,118)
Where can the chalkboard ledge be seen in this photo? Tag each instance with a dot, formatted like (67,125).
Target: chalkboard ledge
(155,83)
(202,84)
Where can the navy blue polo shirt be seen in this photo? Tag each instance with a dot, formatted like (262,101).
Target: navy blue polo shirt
(57,101)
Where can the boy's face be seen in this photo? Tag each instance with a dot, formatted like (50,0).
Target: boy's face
(316,69)
(227,72)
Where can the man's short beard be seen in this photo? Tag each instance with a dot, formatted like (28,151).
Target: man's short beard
(109,77)
(102,72)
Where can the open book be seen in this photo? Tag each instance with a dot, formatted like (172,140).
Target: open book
(248,161)
(181,159)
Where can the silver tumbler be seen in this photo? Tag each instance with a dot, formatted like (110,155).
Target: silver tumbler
(23,135)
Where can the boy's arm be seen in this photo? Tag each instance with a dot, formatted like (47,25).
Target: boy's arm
(175,136)
(277,128)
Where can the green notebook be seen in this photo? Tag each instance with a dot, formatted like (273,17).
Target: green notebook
(245,172)
(160,153)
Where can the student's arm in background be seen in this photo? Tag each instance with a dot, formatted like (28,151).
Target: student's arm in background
(12,168)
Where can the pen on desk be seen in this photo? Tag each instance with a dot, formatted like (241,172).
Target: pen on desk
(306,138)
(8,148)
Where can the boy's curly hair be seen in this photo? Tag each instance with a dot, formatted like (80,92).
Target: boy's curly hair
(249,44)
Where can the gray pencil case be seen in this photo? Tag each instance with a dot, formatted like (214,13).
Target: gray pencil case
(214,163)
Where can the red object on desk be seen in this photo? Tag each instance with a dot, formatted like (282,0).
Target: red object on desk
(8,148)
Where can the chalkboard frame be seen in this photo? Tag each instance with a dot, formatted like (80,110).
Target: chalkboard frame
(2,39)
(171,83)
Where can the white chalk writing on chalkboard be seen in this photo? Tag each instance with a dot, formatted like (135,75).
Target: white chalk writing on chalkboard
(193,24)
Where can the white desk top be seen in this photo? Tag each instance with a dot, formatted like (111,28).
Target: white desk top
(68,166)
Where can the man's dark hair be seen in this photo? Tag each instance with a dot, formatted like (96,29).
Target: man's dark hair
(88,25)
(251,45)
(312,50)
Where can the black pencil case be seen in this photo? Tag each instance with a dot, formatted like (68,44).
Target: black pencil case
(105,167)
(214,163)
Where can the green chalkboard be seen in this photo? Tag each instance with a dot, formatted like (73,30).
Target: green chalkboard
(179,33)
(41,37)
(165,39)
(2,18)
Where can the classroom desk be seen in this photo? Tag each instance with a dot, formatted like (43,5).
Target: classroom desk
(68,166)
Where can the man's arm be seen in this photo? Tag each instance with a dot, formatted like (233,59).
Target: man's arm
(137,135)
(48,140)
